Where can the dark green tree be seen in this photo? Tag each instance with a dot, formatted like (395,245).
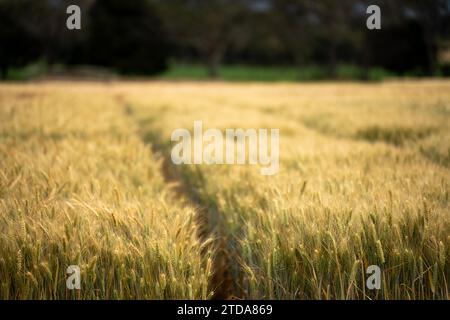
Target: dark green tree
(17,46)
(127,36)
(208,26)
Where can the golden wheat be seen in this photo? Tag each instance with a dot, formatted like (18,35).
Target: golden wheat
(78,187)
(364,180)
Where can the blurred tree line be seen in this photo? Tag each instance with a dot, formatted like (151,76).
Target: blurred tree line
(139,36)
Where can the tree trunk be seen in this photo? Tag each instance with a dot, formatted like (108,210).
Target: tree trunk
(366,60)
(213,62)
(213,69)
(3,71)
(431,56)
(332,58)
(334,38)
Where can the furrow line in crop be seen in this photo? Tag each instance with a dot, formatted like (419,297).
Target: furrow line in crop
(210,221)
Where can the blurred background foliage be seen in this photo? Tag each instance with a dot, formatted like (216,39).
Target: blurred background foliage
(237,40)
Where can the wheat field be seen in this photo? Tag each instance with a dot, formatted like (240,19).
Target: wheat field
(86,179)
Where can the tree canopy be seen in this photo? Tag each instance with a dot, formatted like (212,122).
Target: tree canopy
(140,36)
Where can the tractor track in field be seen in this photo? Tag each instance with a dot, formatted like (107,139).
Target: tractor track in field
(224,283)
(221,283)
